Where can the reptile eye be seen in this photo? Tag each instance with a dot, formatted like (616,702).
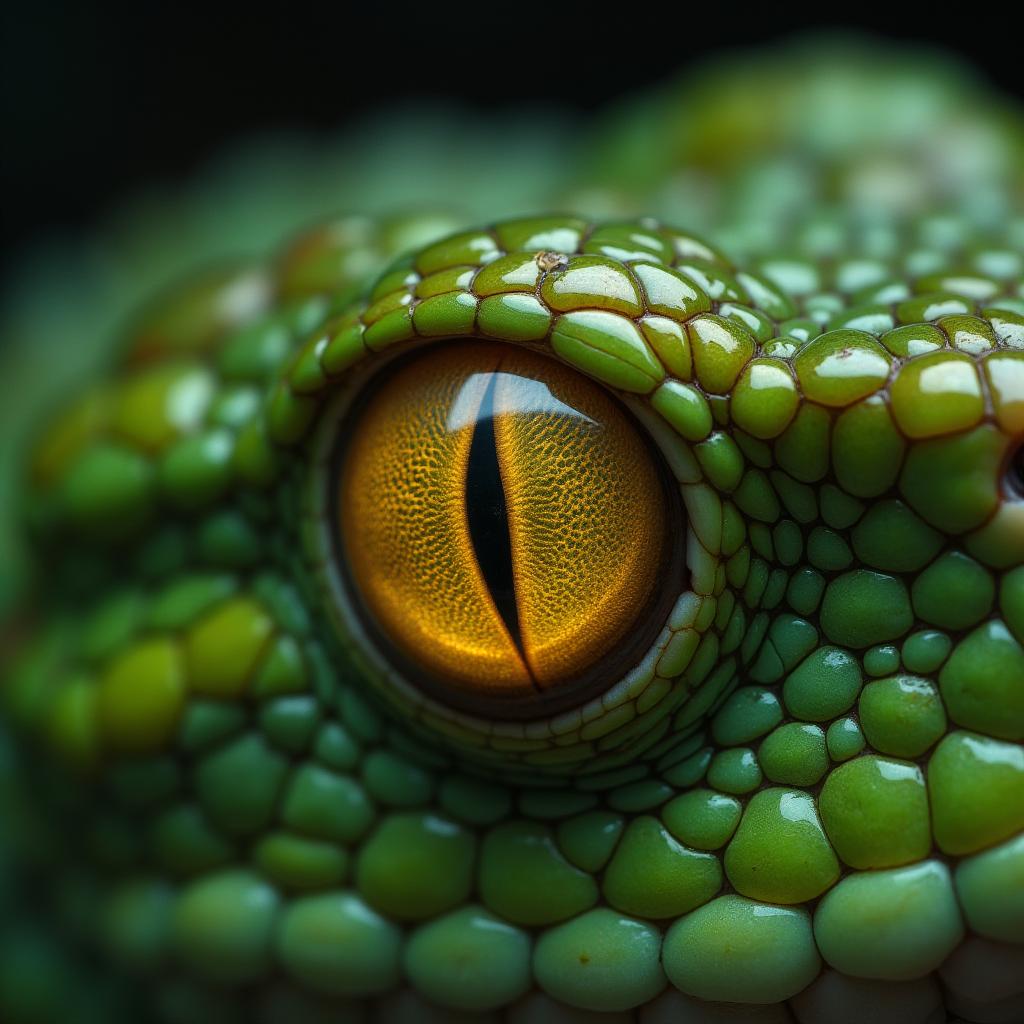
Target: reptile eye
(506,527)
(1015,474)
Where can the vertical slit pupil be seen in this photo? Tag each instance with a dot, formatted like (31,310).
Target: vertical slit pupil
(487,513)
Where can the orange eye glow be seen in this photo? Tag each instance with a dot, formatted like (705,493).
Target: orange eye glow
(506,525)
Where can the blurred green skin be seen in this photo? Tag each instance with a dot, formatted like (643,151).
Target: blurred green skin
(813,784)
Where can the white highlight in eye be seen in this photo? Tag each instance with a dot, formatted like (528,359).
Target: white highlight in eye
(520,393)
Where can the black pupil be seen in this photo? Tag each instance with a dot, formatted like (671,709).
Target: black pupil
(487,513)
(1016,472)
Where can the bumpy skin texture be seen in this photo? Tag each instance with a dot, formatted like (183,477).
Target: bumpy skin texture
(805,802)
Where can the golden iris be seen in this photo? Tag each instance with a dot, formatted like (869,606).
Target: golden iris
(506,525)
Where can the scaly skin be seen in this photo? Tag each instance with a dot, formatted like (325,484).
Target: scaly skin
(806,797)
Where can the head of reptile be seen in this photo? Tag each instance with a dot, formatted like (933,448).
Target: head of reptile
(808,780)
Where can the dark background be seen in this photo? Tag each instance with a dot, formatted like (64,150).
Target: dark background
(98,102)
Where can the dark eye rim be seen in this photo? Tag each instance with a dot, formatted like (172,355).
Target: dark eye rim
(1014,474)
(571,694)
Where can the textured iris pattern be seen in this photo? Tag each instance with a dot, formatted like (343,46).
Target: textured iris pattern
(804,802)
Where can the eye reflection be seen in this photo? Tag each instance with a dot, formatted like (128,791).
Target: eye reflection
(505,526)
(529,396)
